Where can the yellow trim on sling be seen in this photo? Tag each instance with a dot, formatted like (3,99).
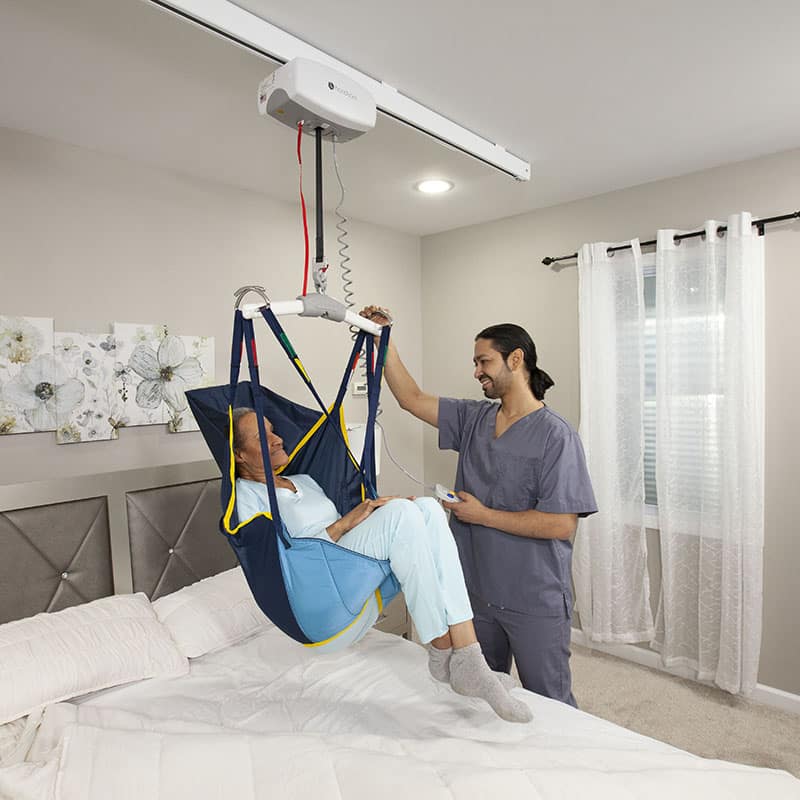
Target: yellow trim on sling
(347,627)
(349,452)
(347,443)
(312,431)
(303,441)
(302,369)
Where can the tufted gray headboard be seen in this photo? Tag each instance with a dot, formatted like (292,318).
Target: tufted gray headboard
(169,536)
(69,541)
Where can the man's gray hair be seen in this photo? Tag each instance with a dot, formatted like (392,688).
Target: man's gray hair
(238,415)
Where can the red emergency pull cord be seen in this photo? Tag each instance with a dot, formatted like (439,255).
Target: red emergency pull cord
(303,207)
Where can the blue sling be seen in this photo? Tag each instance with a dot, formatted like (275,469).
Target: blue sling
(311,588)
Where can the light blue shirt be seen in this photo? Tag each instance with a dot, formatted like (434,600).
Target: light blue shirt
(306,513)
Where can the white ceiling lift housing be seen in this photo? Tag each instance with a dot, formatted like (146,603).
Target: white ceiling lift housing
(319,97)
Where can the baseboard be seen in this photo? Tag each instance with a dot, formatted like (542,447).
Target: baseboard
(777,698)
(765,695)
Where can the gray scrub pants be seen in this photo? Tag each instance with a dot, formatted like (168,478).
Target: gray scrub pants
(539,645)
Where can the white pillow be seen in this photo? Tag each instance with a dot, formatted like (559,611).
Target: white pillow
(10,734)
(211,614)
(52,657)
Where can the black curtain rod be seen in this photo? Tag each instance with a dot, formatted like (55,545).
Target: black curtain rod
(759,223)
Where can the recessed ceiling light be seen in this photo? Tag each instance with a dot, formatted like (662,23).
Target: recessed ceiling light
(435,186)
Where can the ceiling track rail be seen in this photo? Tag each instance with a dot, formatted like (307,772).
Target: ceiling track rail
(251,32)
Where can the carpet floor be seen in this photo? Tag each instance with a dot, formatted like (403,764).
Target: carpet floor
(703,720)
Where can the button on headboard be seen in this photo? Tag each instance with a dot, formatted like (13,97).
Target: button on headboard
(68,541)
(53,556)
(175,538)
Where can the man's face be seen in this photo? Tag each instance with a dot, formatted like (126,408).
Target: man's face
(491,370)
(249,452)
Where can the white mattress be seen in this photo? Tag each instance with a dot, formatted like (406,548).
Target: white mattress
(269,718)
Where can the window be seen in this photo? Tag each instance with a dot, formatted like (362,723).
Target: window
(649,417)
(695,392)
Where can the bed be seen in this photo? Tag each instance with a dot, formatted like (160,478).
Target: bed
(161,681)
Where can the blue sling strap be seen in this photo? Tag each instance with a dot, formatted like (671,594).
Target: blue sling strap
(311,588)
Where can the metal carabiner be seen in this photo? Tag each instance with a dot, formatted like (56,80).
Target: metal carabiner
(243,290)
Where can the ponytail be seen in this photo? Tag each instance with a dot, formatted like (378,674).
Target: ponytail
(540,382)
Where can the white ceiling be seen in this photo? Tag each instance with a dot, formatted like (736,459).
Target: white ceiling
(597,95)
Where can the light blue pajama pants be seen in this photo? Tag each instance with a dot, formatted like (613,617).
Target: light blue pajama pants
(415,537)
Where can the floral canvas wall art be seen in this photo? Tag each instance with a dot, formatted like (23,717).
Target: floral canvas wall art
(31,387)
(199,349)
(155,369)
(137,348)
(89,359)
(86,386)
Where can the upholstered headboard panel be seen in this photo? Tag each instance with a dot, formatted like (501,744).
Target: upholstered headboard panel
(53,556)
(175,538)
(68,541)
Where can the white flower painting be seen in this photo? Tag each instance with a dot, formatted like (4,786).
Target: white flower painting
(86,386)
(154,370)
(31,388)
(199,350)
(89,359)
(128,338)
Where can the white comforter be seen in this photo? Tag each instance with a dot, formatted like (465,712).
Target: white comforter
(270,719)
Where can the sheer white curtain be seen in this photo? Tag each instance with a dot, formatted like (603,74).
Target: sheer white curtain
(610,559)
(710,451)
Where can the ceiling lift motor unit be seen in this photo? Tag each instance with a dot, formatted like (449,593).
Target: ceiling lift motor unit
(318,96)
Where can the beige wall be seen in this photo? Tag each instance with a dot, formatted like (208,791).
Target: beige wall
(90,239)
(493,273)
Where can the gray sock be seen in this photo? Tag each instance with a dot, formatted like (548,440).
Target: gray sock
(509,681)
(470,675)
(439,666)
(439,662)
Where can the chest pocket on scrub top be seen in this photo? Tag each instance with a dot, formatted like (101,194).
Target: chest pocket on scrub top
(516,486)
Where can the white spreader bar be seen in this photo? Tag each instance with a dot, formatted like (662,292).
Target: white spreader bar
(313,305)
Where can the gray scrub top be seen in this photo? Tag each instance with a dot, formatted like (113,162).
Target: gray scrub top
(538,463)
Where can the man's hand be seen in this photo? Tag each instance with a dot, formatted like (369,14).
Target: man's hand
(410,397)
(531,524)
(377,314)
(469,510)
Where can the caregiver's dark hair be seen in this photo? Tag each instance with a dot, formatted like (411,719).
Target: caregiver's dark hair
(506,338)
